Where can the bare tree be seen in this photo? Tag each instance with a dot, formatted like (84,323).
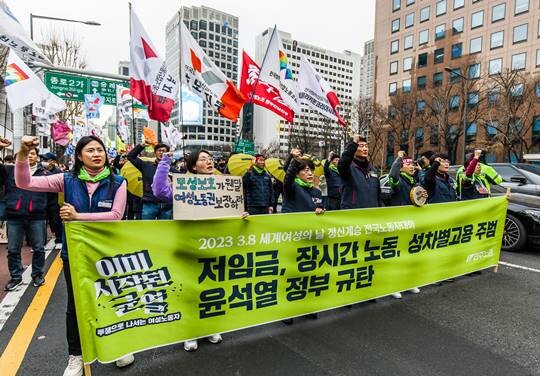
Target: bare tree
(512,99)
(401,117)
(65,50)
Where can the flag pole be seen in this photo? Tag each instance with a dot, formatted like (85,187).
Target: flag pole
(254,87)
(180,104)
(133,138)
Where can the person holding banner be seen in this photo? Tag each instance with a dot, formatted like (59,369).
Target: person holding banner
(202,163)
(361,187)
(92,192)
(402,181)
(299,193)
(440,185)
(471,183)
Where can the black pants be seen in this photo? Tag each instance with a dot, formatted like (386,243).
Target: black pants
(72,330)
(55,222)
(334,203)
(254,210)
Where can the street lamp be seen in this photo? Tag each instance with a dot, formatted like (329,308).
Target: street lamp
(32,16)
(466,99)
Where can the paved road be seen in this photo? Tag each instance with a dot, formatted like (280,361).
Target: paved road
(482,325)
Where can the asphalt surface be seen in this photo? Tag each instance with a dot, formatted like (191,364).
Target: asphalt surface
(481,325)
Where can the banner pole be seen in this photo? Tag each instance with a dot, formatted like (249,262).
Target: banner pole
(180,104)
(133,138)
(87,370)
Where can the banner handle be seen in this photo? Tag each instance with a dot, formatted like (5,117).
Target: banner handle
(87,370)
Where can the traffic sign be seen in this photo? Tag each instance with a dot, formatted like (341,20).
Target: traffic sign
(245,146)
(73,87)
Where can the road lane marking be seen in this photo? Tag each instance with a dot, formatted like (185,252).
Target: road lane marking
(519,267)
(13,355)
(12,298)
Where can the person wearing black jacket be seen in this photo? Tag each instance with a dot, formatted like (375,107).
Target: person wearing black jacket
(299,193)
(258,193)
(26,217)
(333,182)
(152,207)
(440,186)
(49,162)
(361,187)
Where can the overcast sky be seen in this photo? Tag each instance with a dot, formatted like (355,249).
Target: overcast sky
(337,25)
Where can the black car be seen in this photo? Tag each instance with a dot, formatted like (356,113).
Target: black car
(522,226)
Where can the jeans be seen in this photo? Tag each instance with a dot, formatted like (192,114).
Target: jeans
(156,210)
(72,330)
(2,210)
(36,233)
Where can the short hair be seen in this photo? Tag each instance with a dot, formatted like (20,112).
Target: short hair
(192,159)
(428,154)
(362,139)
(161,145)
(259,156)
(437,155)
(9,158)
(303,163)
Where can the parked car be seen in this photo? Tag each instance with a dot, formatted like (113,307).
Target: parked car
(522,225)
(521,177)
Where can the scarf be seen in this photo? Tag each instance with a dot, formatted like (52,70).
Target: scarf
(333,167)
(408,177)
(258,170)
(85,176)
(303,184)
(33,169)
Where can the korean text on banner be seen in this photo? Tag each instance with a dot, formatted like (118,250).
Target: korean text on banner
(207,196)
(144,284)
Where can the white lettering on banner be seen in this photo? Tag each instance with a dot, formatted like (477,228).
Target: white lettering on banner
(480,255)
(121,264)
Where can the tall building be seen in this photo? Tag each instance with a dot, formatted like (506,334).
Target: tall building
(340,69)
(217,34)
(123,68)
(416,42)
(367,77)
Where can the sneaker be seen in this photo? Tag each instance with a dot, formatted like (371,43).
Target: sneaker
(38,280)
(313,316)
(125,361)
(57,245)
(216,338)
(438,284)
(450,280)
(396,295)
(415,290)
(288,321)
(75,366)
(191,345)
(12,284)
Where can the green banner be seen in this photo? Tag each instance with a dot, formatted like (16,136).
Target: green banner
(145,284)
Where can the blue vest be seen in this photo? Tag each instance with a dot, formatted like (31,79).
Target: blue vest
(76,194)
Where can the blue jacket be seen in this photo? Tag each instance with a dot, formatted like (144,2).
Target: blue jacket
(257,189)
(296,198)
(76,194)
(361,187)
(20,203)
(440,187)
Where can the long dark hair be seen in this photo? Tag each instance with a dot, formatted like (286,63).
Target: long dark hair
(192,160)
(78,150)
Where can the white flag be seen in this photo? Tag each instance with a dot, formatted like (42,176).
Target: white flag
(150,81)
(276,71)
(314,91)
(23,86)
(206,80)
(171,136)
(13,35)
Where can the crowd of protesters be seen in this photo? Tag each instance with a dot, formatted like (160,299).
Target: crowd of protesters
(37,189)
